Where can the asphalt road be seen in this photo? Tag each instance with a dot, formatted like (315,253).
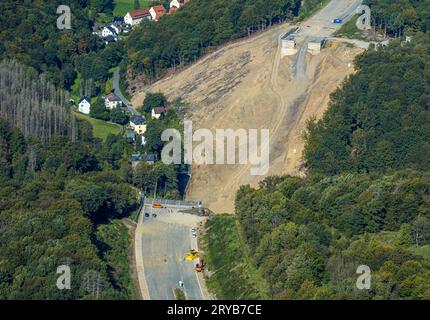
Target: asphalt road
(117,91)
(165,240)
(320,26)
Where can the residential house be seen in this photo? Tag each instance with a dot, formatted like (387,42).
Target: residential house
(157,12)
(150,158)
(112,101)
(156,113)
(84,105)
(117,27)
(178,3)
(138,124)
(110,39)
(135,17)
(108,31)
(135,159)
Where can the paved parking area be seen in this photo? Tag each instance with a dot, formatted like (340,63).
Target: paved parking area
(165,240)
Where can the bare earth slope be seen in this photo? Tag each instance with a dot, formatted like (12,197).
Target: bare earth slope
(248,85)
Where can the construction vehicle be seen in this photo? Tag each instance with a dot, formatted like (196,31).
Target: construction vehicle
(192,255)
(200,267)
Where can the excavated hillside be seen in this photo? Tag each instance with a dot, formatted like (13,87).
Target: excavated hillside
(249,85)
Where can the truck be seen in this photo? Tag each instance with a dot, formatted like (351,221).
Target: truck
(157,206)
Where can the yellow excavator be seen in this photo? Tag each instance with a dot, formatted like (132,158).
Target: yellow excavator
(192,255)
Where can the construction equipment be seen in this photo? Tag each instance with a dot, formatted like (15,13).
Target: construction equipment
(200,267)
(192,255)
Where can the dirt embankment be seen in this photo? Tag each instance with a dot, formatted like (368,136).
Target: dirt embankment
(248,85)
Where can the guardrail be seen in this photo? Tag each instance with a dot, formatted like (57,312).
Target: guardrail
(189,204)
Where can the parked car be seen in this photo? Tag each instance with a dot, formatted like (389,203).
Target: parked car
(154,215)
(146,215)
(181,284)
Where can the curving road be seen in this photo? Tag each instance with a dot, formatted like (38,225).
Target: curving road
(117,91)
(319,27)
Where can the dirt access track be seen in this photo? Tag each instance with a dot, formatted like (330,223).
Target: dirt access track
(249,85)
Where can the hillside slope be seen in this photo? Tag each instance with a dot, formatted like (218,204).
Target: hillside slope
(248,85)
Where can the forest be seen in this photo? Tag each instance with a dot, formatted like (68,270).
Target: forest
(30,35)
(196,28)
(59,184)
(396,18)
(379,120)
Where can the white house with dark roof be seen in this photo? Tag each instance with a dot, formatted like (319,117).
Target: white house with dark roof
(84,105)
(112,101)
(108,31)
(156,113)
(178,3)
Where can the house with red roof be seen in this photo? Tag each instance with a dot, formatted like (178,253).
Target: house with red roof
(157,12)
(135,17)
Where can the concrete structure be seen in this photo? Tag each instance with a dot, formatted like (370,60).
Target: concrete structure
(288,43)
(314,46)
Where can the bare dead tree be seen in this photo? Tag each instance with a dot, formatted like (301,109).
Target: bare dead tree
(33,105)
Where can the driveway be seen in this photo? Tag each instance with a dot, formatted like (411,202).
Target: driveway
(117,91)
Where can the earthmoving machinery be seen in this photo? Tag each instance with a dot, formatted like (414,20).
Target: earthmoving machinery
(200,266)
(192,255)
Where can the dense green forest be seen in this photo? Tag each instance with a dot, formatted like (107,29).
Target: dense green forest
(366,197)
(30,35)
(189,33)
(396,18)
(58,184)
(380,119)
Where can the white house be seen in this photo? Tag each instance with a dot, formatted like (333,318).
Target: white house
(157,12)
(108,31)
(84,105)
(178,3)
(156,113)
(112,101)
(135,17)
(116,26)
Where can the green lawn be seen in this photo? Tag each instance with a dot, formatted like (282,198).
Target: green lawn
(101,129)
(124,6)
